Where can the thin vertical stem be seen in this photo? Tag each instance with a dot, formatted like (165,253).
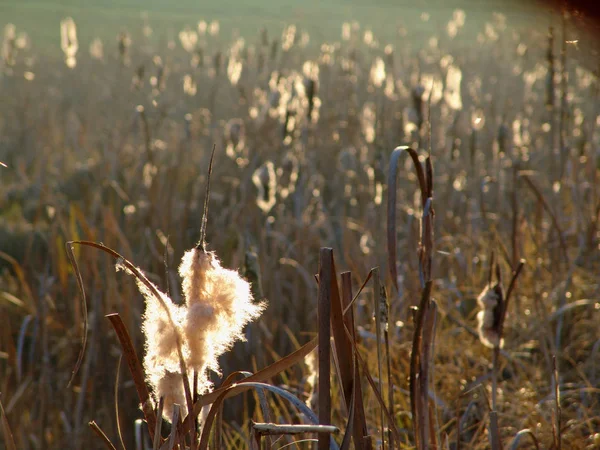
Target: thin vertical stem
(324,317)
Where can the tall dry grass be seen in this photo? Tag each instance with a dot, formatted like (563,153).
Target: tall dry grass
(112,146)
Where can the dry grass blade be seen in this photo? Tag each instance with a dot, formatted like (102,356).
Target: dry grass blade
(174,420)
(557,413)
(542,200)
(242,387)
(20,274)
(326,276)
(429,326)
(117,402)
(21,344)
(391,203)
(357,410)
(159,417)
(515,218)
(378,396)
(144,280)
(8,436)
(135,368)
(345,445)
(526,432)
(94,426)
(84,314)
(348,307)
(509,291)
(418,399)
(262,375)
(341,342)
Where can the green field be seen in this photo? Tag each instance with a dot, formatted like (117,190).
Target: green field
(322,20)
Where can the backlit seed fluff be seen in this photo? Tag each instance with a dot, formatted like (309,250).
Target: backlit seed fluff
(219,305)
(489,318)
(161,358)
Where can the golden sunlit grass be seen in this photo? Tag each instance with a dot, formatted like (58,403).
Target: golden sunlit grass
(107,148)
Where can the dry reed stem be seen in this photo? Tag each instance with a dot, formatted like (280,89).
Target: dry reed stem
(8,436)
(495,442)
(272,429)
(376,310)
(557,413)
(526,432)
(157,440)
(357,411)
(391,203)
(135,368)
(119,433)
(324,317)
(96,428)
(152,289)
(262,375)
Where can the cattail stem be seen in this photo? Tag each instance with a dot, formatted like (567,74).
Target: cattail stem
(324,314)
(495,355)
(202,241)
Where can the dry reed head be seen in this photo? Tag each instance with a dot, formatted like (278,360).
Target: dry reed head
(489,317)
(218,306)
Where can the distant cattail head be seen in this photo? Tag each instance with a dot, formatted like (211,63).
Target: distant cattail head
(264,179)
(489,318)
(68,41)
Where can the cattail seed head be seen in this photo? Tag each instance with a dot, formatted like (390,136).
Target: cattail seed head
(489,317)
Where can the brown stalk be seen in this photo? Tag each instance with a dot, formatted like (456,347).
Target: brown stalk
(341,343)
(84,314)
(388,357)
(376,310)
(348,307)
(272,429)
(324,317)
(378,396)
(391,204)
(515,218)
(135,368)
(8,436)
(495,441)
(429,326)
(96,428)
(511,287)
(359,426)
(419,399)
(202,241)
(144,280)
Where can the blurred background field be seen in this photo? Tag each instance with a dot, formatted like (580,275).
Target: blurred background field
(322,20)
(108,115)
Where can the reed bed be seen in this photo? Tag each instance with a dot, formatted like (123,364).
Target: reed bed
(418,225)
